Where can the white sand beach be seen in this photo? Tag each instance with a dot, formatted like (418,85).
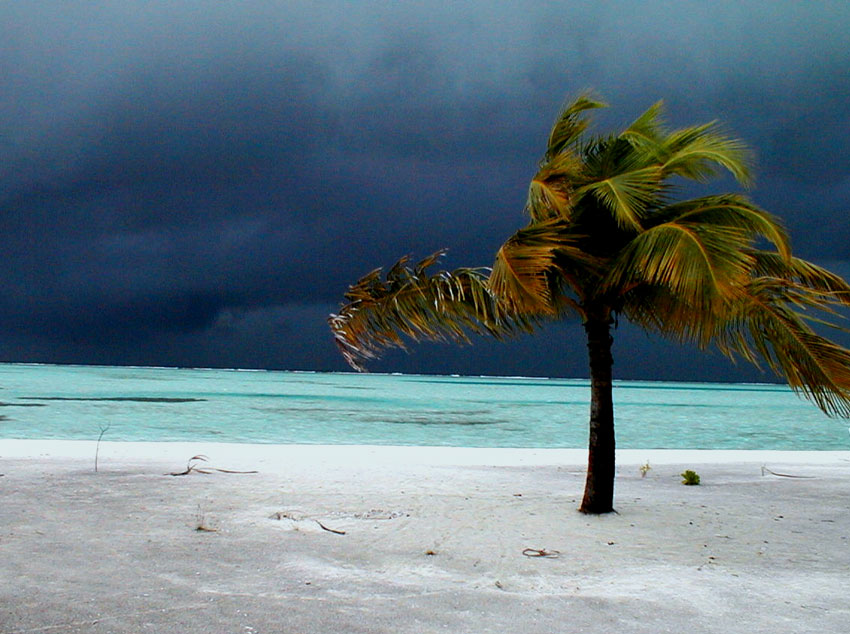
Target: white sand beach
(435,540)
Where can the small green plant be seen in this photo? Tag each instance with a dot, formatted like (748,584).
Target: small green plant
(690,478)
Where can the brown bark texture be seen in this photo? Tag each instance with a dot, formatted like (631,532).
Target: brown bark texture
(599,486)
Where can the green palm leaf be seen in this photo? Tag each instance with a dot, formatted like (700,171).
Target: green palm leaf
(810,363)
(626,195)
(829,287)
(731,211)
(570,124)
(697,153)
(647,131)
(550,192)
(699,267)
(410,302)
(534,266)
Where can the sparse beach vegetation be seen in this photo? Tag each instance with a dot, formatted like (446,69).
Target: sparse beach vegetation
(690,477)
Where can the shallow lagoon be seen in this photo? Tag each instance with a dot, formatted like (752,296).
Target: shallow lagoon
(164,404)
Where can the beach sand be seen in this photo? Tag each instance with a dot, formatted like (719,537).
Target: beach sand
(434,541)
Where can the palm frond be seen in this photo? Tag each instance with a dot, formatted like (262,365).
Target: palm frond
(408,302)
(626,195)
(698,152)
(570,124)
(811,364)
(701,270)
(731,211)
(658,309)
(534,264)
(551,189)
(830,288)
(647,131)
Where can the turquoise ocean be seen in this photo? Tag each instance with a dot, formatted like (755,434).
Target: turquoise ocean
(166,404)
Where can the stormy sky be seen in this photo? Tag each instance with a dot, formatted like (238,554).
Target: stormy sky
(197,183)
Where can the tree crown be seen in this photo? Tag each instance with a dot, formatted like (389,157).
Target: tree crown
(606,236)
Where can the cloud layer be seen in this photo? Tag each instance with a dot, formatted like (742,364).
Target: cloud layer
(196,184)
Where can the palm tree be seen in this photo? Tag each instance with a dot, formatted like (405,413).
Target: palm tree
(607,239)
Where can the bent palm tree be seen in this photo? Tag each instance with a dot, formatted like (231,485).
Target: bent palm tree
(606,239)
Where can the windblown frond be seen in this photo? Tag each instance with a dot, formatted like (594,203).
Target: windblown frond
(702,254)
(697,152)
(409,302)
(570,125)
(550,192)
(830,288)
(626,195)
(658,309)
(700,267)
(731,211)
(779,334)
(768,320)
(647,131)
(532,266)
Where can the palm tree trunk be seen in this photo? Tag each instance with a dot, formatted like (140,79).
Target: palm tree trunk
(599,486)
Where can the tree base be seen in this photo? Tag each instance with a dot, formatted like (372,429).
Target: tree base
(592,511)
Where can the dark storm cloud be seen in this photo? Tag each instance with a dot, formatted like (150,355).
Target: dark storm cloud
(197,183)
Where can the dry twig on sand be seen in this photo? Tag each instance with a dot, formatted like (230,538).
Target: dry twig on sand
(192,467)
(783,475)
(286,515)
(103,430)
(330,530)
(540,552)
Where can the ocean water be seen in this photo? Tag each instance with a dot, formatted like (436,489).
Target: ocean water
(164,404)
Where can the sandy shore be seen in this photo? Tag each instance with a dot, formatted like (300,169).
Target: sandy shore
(433,541)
